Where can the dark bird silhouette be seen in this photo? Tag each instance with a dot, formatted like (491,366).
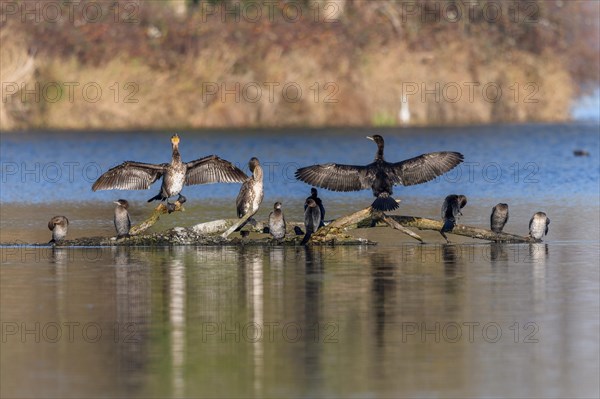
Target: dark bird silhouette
(450,212)
(277,222)
(140,176)
(122,220)
(312,218)
(538,225)
(314,196)
(251,193)
(380,176)
(499,217)
(581,153)
(59,226)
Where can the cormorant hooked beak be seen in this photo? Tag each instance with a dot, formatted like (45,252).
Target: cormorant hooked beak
(116,202)
(175,139)
(371,138)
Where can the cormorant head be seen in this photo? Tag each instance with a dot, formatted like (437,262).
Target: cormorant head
(502,206)
(311,203)
(462,201)
(123,203)
(277,205)
(376,138)
(253,163)
(175,140)
(313,192)
(58,221)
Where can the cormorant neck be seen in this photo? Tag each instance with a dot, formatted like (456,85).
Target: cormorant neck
(379,155)
(257,173)
(176,155)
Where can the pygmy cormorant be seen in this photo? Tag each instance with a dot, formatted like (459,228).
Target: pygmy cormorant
(312,218)
(499,217)
(380,176)
(122,220)
(538,225)
(315,197)
(59,226)
(277,222)
(140,176)
(450,212)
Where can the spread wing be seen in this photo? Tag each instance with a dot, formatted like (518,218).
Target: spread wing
(423,168)
(130,176)
(337,177)
(212,169)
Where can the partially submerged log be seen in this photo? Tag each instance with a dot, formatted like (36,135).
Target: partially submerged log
(364,215)
(216,232)
(459,229)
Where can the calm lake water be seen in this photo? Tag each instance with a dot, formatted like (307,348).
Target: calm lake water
(470,319)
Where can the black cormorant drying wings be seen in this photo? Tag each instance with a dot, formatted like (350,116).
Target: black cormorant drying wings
(380,176)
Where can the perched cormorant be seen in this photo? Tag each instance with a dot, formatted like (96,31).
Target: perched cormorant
(499,217)
(277,222)
(380,176)
(251,193)
(59,226)
(450,212)
(122,220)
(140,176)
(315,197)
(538,225)
(312,218)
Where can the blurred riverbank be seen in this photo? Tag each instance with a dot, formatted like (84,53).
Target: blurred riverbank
(144,65)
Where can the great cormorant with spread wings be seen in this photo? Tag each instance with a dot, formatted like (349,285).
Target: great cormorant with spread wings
(380,176)
(140,176)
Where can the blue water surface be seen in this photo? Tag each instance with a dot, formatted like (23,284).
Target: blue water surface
(505,162)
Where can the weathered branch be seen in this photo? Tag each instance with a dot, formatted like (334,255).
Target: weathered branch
(161,209)
(237,225)
(395,225)
(461,230)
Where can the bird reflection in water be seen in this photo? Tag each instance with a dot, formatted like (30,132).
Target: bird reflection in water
(383,291)
(313,323)
(498,254)
(251,268)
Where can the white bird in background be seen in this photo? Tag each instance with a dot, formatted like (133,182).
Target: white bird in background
(404,113)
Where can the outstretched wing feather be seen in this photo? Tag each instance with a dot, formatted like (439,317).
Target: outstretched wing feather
(337,177)
(212,169)
(129,176)
(423,168)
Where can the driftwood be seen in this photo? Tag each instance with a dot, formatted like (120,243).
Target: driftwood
(462,230)
(161,209)
(216,232)
(351,221)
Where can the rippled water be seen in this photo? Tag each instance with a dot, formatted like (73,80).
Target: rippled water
(398,319)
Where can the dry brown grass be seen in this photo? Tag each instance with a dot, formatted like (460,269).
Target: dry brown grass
(367,67)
